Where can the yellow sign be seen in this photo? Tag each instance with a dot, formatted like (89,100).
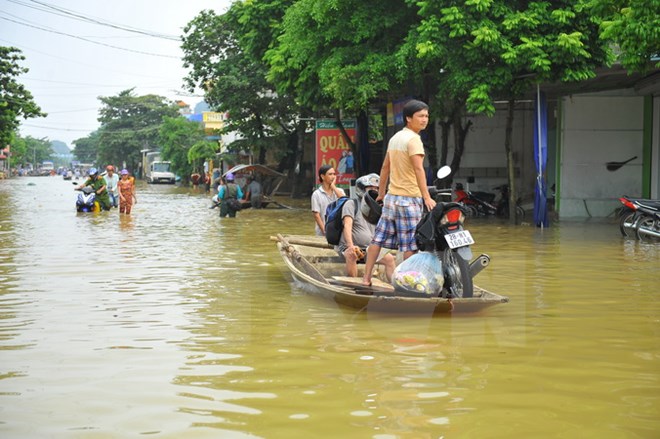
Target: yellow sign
(212,120)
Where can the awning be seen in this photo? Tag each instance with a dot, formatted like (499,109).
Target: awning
(257,169)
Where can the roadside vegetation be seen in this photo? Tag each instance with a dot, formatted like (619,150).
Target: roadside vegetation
(273,65)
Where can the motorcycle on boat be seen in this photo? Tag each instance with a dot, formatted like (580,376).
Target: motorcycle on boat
(441,232)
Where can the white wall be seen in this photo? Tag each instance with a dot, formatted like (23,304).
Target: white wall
(599,128)
(485,156)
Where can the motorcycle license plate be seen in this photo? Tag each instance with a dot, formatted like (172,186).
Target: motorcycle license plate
(459,239)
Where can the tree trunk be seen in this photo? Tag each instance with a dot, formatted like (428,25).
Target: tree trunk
(444,148)
(460,134)
(509,162)
(298,173)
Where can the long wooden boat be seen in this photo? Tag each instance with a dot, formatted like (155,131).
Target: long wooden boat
(317,269)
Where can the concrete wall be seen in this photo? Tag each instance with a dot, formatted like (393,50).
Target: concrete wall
(599,128)
(484,157)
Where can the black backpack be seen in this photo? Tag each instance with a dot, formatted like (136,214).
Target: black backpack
(333,220)
(425,232)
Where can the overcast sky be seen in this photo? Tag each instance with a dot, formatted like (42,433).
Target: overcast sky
(68,74)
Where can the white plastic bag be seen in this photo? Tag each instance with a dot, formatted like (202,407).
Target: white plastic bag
(420,275)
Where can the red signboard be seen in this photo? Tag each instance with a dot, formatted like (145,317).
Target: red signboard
(332,149)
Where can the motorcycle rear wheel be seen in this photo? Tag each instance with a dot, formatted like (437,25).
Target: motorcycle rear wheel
(649,223)
(627,223)
(457,275)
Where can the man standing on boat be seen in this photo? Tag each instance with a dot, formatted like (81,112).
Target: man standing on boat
(407,194)
(324,195)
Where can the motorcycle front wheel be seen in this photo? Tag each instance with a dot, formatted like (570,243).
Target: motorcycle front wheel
(457,275)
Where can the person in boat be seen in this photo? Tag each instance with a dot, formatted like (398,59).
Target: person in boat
(407,194)
(326,193)
(96,182)
(360,221)
(253,192)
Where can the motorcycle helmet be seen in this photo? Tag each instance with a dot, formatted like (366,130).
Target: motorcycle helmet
(229,177)
(362,183)
(92,172)
(370,208)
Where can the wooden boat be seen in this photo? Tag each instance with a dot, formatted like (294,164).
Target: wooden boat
(269,178)
(317,268)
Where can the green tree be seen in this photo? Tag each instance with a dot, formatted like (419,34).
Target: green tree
(234,78)
(634,26)
(129,124)
(345,55)
(342,54)
(493,49)
(86,149)
(29,149)
(16,101)
(184,144)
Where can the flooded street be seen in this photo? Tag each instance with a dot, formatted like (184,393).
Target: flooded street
(174,323)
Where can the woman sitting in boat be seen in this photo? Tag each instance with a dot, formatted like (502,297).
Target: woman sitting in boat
(360,219)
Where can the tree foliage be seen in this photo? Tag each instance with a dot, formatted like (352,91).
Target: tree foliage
(129,124)
(86,149)
(342,54)
(488,48)
(29,149)
(16,102)
(224,55)
(634,26)
(184,144)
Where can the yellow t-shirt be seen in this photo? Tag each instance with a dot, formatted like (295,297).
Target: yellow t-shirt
(401,147)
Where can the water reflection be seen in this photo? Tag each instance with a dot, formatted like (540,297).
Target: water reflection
(174,322)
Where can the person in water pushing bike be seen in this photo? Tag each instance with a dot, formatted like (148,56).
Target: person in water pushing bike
(98,183)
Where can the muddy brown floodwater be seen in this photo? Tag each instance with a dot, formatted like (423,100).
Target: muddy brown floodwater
(174,323)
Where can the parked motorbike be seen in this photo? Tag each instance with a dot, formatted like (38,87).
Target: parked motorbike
(476,203)
(640,218)
(636,211)
(503,203)
(86,201)
(441,231)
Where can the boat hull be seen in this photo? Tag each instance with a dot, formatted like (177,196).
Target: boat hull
(315,271)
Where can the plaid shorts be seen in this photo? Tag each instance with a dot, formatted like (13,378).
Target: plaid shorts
(396,227)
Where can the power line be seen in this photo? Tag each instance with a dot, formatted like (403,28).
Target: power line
(68,13)
(88,40)
(94,66)
(57,129)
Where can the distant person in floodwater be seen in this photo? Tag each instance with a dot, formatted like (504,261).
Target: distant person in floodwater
(97,182)
(254,193)
(126,188)
(229,193)
(111,180)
